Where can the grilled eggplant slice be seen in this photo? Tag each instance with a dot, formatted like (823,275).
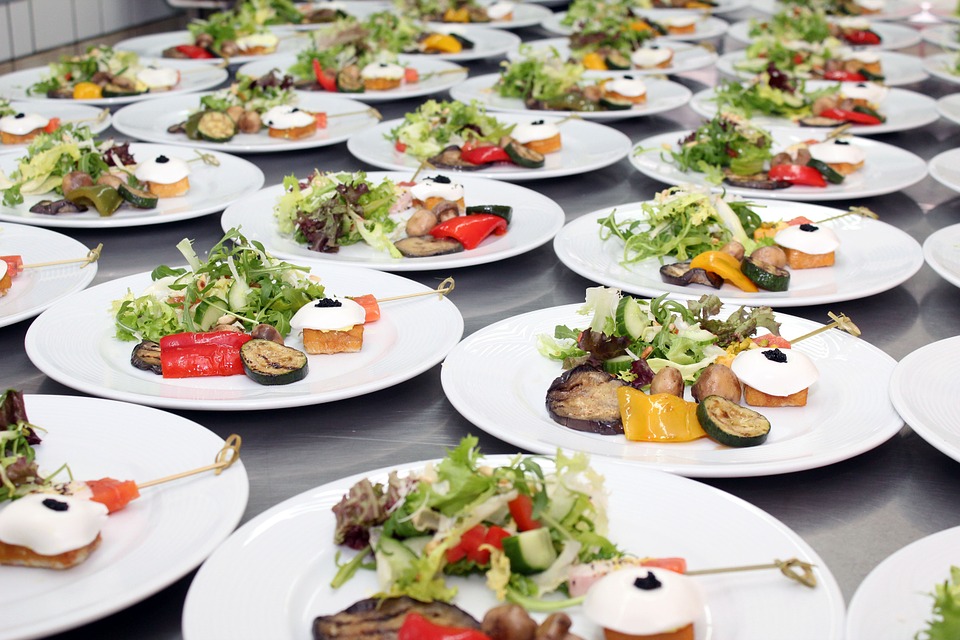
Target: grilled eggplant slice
(680,273)
(450,158)
(376,619)
(56,207)
(819,121)
(585,399)
(146,356)
(755,181)
(427,246)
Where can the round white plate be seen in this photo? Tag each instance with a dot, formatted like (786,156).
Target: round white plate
(396,348)
(941,250)
(211,189)
(587,146)
(945,168)
(359,10)
(945,10)
(892,36)
(686,57)
(893,602)
(148,545)
(536,219)
(903,109)
(708,26)
(944,36)
(13,86)
(873,257)
(949,107)
(942,66)
(66,111)
(153,45)
(888,168)
(433,83)
(893,9)
(34,290)
(487,43)
(662,95)
(524,15)
(150,120)
(898,68)
(923,391)
(271,578)
(847,412)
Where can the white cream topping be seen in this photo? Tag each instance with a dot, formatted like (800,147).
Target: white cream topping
(809,238)
(866,57)
(833,153)
(872,5)
(162,170)
(530,131)
(430,188)
(627,86)
(775,378)
(31,522)
(267,40)
(650,56)
(853,22)
(287,117)
(802,45)
(341,318)
(680,21)
(500,10)
(159,77)
(385,70)
(615,602)
(22,123)
(868,91)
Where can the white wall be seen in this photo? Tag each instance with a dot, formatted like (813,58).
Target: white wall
(37,25)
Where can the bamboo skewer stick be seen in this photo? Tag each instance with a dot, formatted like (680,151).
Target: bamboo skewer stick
(794,569)
(841,322)
(442,289)
(839,132)
(373,112)
(854,211)
(92,256)
(97,120)
(444,72)
(229,454)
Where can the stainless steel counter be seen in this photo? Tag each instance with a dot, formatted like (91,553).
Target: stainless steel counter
(853,513)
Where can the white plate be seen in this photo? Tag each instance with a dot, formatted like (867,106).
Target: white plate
(148,545)
(587,146)
(893,602)
(66,111)
(686,57)
(360,10)
(942,35)
(923,390)
(945,168)
(524,15)
(536,219)
(892,36)
(211,189)
(898,68)
(708,26)
(487,43)
(271,578)
(150,120)
(396,348)
(893,10)
(949,107)
(873,257)
(13,86)
(423,64)
(903,109)
(942,65)
(945,10)
(153,45)
(36,289)
(662,95)
(888,168)
(941,250)
(847,412)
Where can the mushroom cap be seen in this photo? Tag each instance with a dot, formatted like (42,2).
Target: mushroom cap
(615,602)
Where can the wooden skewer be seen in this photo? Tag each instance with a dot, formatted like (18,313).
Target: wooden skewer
(92,256)
(205,158)
(97,120)
(444,72)
(442,289)
(839,132)
(571,116)
(841,322)
(373,112)
(794,569)
(854,211)
(423,165)
(229,454)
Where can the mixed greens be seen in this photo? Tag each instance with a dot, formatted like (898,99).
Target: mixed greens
(945,624)
(771,93)
(72,70)
(436,125)
(239,279)
(6,109)
(220,31)
(19,473)
(253,94)
(725,142)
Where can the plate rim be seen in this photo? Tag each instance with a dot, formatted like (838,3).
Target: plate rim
(928,256)
(934,168)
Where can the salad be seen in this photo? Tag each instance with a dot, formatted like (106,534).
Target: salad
(828,60)
(19,473)
(842,7)
(945,623)
(807,24)
(458,11)
(103,72)
(225,34)
(526,526)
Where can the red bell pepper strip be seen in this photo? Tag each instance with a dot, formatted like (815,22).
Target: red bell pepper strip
(861,37)
(194,52)
(417,627)
(470,230)
(844,76)
(485,154)
(113,494)
(326,81)
(850,116)
(370,306)
(188,339)
(797,174)
(14,264)
(521,510)
(193,355)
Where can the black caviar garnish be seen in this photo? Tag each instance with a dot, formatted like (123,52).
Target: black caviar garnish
(775,355)
(324,303)
(55,505)
(808,227)
(649,583)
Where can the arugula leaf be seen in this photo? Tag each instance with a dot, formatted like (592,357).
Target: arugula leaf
(945,624)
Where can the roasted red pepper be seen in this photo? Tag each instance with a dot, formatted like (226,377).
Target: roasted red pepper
(473,539)
(470,230)
(193,355)
(484,154)
(188,339)
(327,82)
(194,52)
(844,76)
(521,510)
(416,627)
(797,174)
(850,116)
(861,37)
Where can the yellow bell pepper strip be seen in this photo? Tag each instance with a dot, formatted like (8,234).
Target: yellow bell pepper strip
(87,91)
(661,417)
(456,15)
(725,266)
(594,62)
(441,43)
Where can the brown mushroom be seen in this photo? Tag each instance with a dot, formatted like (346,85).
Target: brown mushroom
(509,622)
(75,180)
(234,112)
(771,255)
(734,248)
(717,380)
(420,223)
(249,122)
(668,380)
(555,627)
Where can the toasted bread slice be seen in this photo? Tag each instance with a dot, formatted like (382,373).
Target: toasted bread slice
(12,138)
(756,398)
(171,190)
(545,146)
(18,556)
(327,342)
(800,260)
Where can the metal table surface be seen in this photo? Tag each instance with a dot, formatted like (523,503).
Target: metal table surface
(854,513)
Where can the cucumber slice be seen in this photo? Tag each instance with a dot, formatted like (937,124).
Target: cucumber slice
(216,126)
(524,156)
(829,173)
(138,197)
(630,318)
(271,363)
(505,211)
(617,61)
(530,551)
(615,104)
(394,559)
(617,364)
(766,276)
(730,424)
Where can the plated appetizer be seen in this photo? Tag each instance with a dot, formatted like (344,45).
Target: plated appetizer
(18,127)
(103,72)
(457,11)
(844,7)
(826,60)
(228,34)
(798,23)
